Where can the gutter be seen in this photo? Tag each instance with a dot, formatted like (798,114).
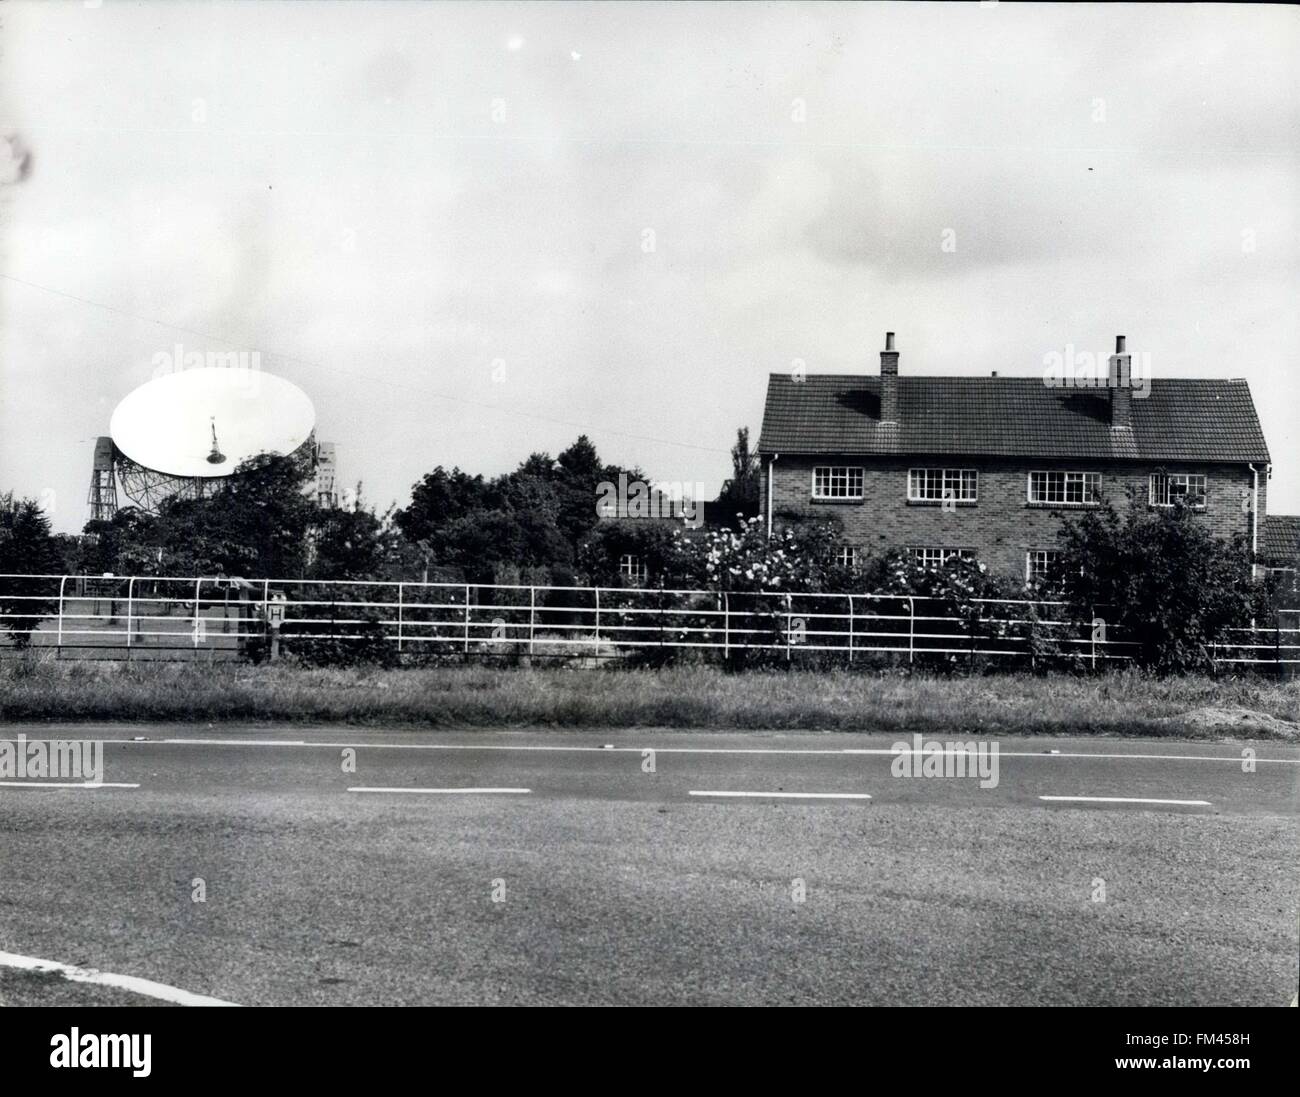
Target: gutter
(1254,522)
(770,470)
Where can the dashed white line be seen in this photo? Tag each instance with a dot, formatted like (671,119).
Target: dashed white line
(1125,800)
(443,791)
(64,784)
(785,795)
(131,983)
(226,742)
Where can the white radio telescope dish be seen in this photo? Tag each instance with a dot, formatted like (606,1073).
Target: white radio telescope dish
(204,422)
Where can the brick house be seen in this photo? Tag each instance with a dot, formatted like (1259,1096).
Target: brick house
(1279,548)
(986,466)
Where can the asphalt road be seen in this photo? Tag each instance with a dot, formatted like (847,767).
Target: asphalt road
(601,874)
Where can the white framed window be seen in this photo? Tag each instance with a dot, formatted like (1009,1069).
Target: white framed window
(1042,564)
(846,556)
(936,485)
(1078,489)
(632,567)
(1167,487)
(929,557)
(837,482)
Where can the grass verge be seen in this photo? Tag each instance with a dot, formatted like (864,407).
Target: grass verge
(37,687)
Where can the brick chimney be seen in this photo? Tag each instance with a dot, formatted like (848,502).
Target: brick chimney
(1120,382)
(889,381)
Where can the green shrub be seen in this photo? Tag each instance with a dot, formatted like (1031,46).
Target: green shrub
(1159,580)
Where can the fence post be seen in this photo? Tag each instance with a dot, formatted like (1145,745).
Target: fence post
(198,583)
(597,622)
(58,647)
(911,630)
(532,617)
(466,618)
(400,589)
(130,594)
(1092,632)
(850,628)
(789,623)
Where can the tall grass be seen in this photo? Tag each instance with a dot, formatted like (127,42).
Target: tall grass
(38,687)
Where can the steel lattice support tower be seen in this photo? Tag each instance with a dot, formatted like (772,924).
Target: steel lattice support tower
(103,482)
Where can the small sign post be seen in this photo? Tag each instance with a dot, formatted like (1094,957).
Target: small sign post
(274,619)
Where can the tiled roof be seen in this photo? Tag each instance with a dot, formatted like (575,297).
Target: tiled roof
(1280,537)
(1178,420)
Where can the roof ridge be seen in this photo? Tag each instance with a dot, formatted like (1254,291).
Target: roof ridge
(1000,377)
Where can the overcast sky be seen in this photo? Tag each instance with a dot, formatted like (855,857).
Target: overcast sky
(472,231)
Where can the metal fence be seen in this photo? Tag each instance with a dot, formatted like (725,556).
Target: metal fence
(157,617)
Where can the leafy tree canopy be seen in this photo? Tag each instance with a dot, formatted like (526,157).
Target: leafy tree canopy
(1160,578)
(740,494)
(534,518)
(263,522)
(26,543)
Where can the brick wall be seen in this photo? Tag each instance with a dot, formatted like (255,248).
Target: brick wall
(1001,527)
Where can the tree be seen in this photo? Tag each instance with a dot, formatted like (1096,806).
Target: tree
(27,547)
(438,499)
(740,494)
(126,544)
(534,518)
(27,544)
(260,523)
(1160,579)
(657,546)
(577,478)
(351,542)
(480,526)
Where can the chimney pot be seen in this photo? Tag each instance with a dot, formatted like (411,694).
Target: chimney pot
(889,340)
(1119,344)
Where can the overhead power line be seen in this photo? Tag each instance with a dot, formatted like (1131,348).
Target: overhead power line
(236,344)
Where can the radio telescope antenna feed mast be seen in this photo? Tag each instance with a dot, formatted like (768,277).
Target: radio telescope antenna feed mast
(216,457)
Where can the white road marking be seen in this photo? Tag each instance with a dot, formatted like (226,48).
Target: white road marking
(787,795)
(131,983)
(64,784)
(229,742)
(881,751)
(441,790)
(1126,800)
